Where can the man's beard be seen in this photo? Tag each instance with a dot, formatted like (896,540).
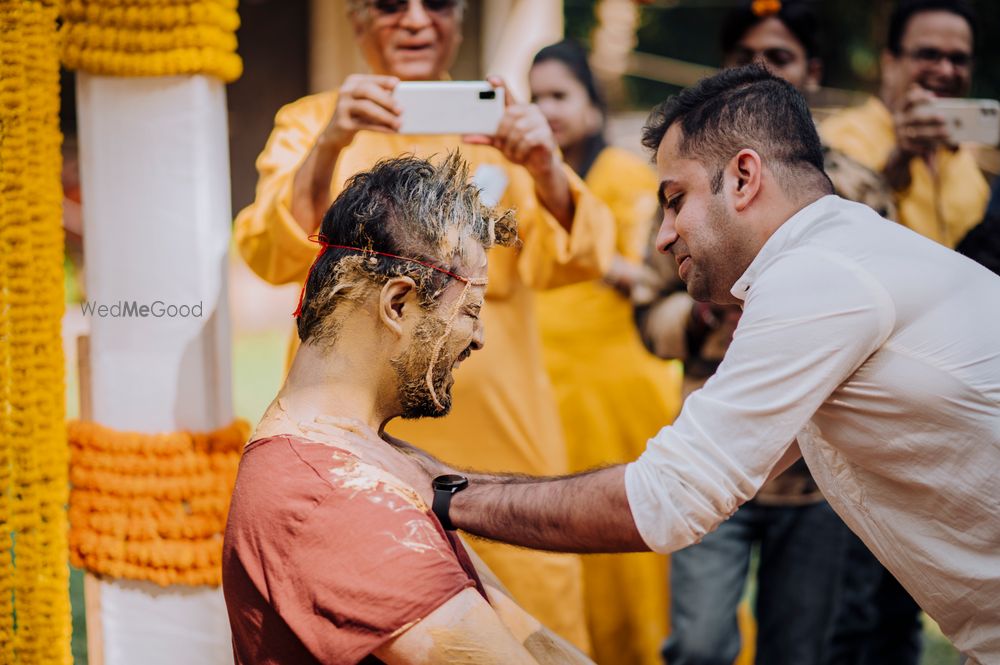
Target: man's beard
(415,397)
(710,279)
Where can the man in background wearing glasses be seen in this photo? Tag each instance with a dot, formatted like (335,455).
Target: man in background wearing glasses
(505,416)
(940,190)
(941,194)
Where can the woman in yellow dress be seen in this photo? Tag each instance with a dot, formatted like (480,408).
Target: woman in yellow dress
(613,395)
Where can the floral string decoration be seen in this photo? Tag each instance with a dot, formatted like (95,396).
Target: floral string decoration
(35,621)
(152,37)
(152,506)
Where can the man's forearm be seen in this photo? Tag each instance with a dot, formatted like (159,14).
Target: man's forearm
(588,512)
(311,185)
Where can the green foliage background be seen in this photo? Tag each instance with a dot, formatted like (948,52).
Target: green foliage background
(853,35)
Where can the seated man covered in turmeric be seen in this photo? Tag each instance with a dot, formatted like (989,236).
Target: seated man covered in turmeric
(327,557)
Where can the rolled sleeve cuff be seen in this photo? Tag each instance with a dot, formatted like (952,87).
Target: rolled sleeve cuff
(673,508)
(656,520)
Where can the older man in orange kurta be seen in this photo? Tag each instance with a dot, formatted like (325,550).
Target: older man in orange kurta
(504,415)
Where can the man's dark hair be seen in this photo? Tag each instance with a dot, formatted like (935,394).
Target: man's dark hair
(742,107)
(407,207)
(906,9)
(798,16)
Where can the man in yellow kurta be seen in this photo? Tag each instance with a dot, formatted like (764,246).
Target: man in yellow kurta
(504,415)
(940,190)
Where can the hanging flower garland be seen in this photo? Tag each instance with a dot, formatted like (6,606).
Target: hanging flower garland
(765,8)
(34,579)
(152,506)
(152,37)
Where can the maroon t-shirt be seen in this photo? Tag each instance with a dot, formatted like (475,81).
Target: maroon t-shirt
(326,558)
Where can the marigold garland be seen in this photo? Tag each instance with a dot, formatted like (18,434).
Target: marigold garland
(152,37)
(34,578)
(765,8)
(152,506)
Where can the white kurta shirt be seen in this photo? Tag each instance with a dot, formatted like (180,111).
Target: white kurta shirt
(879,350)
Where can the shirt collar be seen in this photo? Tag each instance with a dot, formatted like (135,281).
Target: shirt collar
(784,236)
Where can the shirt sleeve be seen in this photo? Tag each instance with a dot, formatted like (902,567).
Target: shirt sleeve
(267,235)
(361,570)
(550,255)
(810,320)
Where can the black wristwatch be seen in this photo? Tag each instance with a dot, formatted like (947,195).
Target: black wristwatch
(444,488)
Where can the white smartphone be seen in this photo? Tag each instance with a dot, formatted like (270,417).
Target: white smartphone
(449,107)
(969,120)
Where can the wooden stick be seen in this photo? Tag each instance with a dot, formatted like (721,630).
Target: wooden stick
(91,584)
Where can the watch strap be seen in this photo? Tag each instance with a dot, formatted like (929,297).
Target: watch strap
(440,506)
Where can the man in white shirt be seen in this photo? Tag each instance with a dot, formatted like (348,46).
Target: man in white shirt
(874,351)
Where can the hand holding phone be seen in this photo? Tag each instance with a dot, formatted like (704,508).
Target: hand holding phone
(919,131)
(449,107)
(523,136)
(969,120)
(364,102)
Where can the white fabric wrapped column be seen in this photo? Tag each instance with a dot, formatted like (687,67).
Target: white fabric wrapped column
(155,187)
(512,32)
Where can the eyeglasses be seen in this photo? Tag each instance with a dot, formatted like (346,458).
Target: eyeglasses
(776,57)
(399,6)
(933,56)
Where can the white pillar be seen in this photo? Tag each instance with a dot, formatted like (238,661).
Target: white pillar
(155,187)
(614,40)
(512,32)
(333,48)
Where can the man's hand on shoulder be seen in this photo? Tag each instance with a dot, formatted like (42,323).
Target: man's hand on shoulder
(413,466)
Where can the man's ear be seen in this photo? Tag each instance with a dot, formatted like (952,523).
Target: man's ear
(745,169)
(397,299)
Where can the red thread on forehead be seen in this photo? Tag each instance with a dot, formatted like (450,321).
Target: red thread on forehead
(324,245)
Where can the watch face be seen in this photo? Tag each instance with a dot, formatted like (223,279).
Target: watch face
(452,481)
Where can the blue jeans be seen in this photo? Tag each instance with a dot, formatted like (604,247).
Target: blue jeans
(877,622)
(801,554)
